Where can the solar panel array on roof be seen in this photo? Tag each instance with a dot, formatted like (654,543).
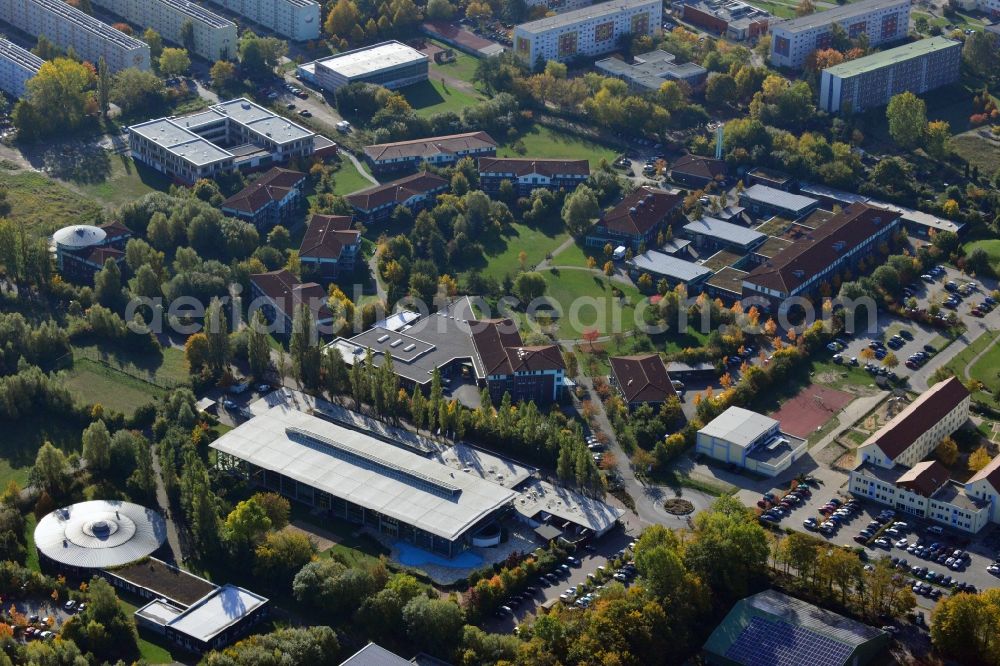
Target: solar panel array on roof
(766,643)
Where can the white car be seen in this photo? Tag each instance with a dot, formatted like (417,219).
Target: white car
(902,543)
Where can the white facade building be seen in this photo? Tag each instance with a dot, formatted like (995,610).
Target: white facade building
(237,134)
(389,64)
(298,20)
(917,430)
(589,31)
(882,20)
(214,37)
(16,67)
(751,440)
(66,26)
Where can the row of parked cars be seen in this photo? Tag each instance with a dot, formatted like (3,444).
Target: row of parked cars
(545,580)
(776,508)
(985,307)
(835,512)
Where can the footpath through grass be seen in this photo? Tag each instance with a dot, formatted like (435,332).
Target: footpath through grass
(347,179)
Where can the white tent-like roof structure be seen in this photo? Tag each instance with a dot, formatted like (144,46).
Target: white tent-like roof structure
(100,534)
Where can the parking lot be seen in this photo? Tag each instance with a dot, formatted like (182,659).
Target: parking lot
(603,552)
(981,549)
(913,337)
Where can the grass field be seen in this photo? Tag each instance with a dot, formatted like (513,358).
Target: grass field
(542,141)
(43,205)
(462,68)
(31,559)
(991,247)
(125,181)
(151,653)
(977,152)
(502,253)
(586,302)
(434,96)
(986,369)
(92,383)
(576,255)
(169,367)
(347,179)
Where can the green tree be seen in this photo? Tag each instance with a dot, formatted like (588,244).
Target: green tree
(155,43)
(440,10)
(966,627)
(434,625)
(55,99)
(187,35)
(304,348)
(217,335)
(174,62)
(103,86)
(529,286)
(343,16)
(312,645)
(260,55)
(258,349)
(223,74)
(133,89)
(907,116)
(245,525)
(938,134)
(281,555)
(729,549)
(579,210)
(981,54)
(51,470)
(97,446)
(721,89)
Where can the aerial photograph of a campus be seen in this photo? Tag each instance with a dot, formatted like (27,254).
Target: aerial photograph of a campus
(500,332)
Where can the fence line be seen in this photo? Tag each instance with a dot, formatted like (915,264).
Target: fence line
(129,369)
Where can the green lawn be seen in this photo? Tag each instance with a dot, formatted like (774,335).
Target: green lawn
(586,302)
(123,181)
(991,246)
(434,96)
(43,205)
(463,67)
(576,255)
(502,254)
(541,141)
(91,383)
(347,179)
(168,367)
(985,370)
(151,653)
(977,151)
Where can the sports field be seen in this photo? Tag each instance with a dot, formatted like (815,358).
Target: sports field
(810,409)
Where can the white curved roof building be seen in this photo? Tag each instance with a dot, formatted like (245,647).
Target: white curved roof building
(79,236)
(99,534)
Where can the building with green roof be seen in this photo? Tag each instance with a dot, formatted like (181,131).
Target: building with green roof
(774,629)
(872,81)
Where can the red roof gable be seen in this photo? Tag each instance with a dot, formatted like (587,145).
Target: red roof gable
(525,167)
(642,378)
(500,348)
(641,211)
(288,293)
(272,186)
(906,427)
(398,191)
(820,248)
(327,236)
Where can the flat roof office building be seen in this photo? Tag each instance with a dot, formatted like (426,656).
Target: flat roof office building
(66,26)
(365,480)
(214,37)
(589,31)
(389,64)
(872,81)
(298,20)
(882,20)
(651,70)
(237,134)
(16,67)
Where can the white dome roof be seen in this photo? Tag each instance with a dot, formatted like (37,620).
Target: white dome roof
(100,533)
(79,235)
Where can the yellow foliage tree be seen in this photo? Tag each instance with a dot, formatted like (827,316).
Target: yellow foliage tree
(979,459)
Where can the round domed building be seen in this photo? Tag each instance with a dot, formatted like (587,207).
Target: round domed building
(97,535)
(82,249)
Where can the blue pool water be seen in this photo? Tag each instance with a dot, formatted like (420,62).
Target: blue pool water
(412,556)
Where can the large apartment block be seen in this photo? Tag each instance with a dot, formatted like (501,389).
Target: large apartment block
(66,26)
(214,37)
(871,81)
(16,67)
(298,20)
(882,20)
(589,31)
(237,134)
